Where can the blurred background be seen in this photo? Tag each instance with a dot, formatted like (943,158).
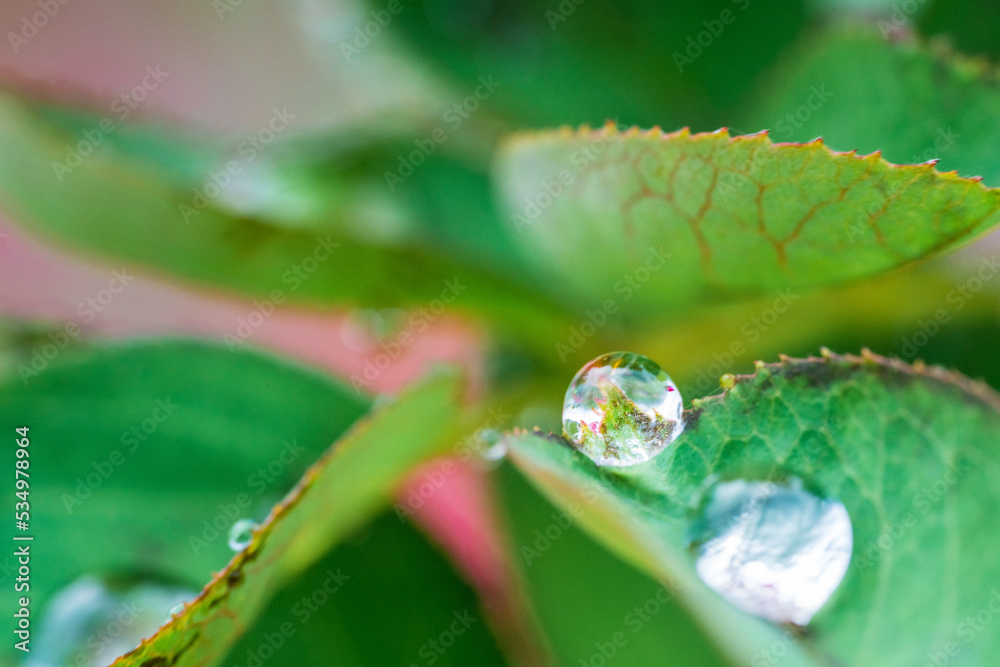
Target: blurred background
(356,103)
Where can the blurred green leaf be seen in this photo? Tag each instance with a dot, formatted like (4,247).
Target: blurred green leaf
(182,156)
(914,103)
(114,205)
(639,61)
(891,315)
(440,201)
(354,480)
(140,452)
(968,24)
(395,600)
(910,452)
(649,220)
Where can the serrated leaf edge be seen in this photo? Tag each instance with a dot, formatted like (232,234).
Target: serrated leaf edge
(611,130)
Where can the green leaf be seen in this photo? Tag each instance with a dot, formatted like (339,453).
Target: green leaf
(914,103)
(116,204)
(648,220)
(393,597)
(351,483)
(144,454)
(911,453)
(183,156)
(135,448)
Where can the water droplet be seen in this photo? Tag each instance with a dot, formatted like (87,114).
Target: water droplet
(241,534)
(177,609)
(94,620)
(268,190)
(622,409)
(773,550)
(492,446)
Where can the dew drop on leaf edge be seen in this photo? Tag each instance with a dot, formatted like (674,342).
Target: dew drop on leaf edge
(622,409)
(492,447)
(241,534)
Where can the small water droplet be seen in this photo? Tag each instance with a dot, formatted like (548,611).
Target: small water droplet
(241,534)
(493,448)
(266,189)
(94,620)
(177,609)
(773,550)
(622,409)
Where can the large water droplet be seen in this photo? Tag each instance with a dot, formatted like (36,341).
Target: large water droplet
(241,534)
(94,620)
(773,550)
(622,409)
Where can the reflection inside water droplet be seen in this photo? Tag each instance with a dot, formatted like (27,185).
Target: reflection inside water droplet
(622,409)
(773,550)
(241,534)
(93,621)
